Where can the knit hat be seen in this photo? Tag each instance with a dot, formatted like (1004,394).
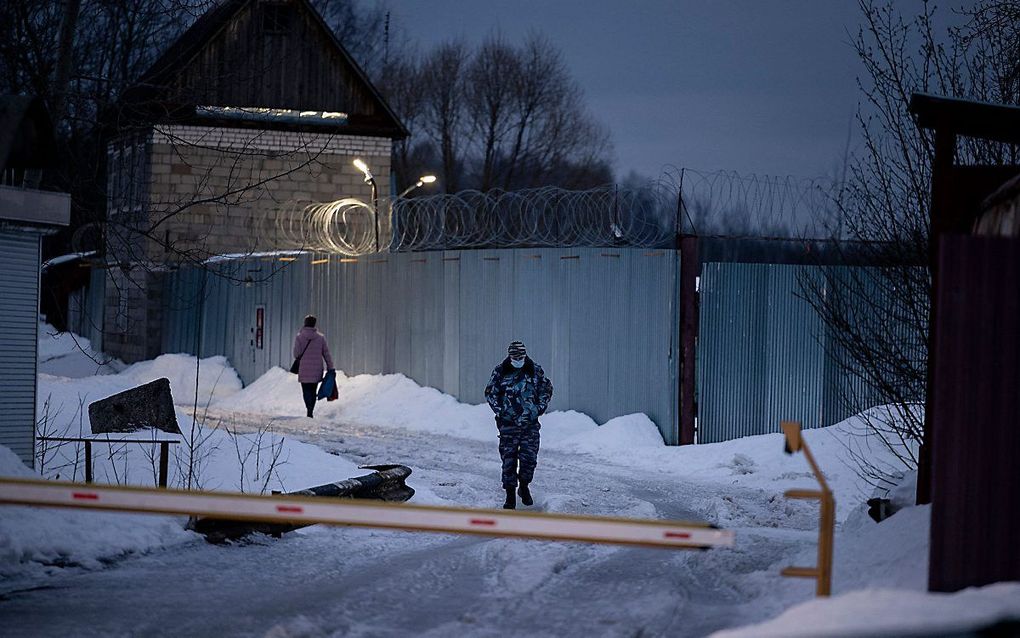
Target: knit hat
(516,350)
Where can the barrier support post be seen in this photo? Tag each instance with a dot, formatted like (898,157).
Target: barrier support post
(164,453)
(822,572)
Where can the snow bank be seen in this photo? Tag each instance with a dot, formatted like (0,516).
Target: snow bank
(893,553)
(63,399)
(892,612)
(69,355)
(396,401)
(216,378)
(393,400)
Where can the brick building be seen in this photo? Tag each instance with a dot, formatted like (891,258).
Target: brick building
(254,112)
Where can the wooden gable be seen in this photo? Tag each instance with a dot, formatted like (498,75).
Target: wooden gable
(263,54)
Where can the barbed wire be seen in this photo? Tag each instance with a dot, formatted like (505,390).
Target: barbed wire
(550,216)
(726,203)
(649,215)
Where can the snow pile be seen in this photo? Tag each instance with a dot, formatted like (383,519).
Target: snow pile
(893,553)
(216,379)
(69,355)
(634,432)
(63,401)
(395,401)
(893,612)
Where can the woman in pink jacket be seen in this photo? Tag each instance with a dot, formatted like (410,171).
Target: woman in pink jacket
(310,347)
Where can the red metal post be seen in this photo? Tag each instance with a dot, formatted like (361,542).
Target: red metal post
(690,270)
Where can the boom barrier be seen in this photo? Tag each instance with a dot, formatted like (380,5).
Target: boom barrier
(416,518)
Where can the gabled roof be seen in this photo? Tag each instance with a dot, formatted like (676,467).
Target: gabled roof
(158,95)
(970,118)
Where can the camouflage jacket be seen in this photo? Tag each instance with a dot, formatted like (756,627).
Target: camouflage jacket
(519,395)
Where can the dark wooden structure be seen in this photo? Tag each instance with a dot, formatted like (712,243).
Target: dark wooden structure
(972,421)
(260,54)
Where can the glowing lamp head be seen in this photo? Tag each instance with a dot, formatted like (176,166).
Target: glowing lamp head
(363,167)
(427,179)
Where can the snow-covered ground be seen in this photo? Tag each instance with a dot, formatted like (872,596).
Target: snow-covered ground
(74,572)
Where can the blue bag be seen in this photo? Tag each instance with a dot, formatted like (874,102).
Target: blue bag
(327,389)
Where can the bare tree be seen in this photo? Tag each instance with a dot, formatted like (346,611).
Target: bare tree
(504,116)
(490,96)
(403,84)
(443,84)
(878,317)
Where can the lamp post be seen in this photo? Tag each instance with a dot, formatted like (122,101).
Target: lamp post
(424,179)
(394,219)
(363,167)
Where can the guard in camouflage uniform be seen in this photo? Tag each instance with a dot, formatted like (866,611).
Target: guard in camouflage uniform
(518,393)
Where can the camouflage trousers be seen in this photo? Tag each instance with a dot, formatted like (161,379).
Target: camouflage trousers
(518,448)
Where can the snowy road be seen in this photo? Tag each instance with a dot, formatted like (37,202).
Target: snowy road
(350,582)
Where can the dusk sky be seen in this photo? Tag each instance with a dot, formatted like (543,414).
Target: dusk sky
(755,87)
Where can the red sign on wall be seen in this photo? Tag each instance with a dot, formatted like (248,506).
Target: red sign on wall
(260,324)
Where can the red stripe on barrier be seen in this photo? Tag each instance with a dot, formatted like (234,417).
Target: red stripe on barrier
(84,496)
(289,509)
(676,535)
(483,521)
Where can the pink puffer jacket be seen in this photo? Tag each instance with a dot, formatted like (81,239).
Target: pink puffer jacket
(311,368)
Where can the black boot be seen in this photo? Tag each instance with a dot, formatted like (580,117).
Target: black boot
(525,495)
(511,500)
(310,414)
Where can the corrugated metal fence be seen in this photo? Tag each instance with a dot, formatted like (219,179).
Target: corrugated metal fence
(602,322)
(765,355)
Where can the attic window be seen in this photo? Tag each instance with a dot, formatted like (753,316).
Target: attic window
(275,18)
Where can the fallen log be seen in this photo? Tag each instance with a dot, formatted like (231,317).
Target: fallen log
(386,483)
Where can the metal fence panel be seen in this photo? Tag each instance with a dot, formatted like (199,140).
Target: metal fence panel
(764,355)
(731,329)
(602,325)
(795,346)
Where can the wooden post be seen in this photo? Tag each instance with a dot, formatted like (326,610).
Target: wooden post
(88,461)
(941,204)
(825,541)
(164,453)
(822,572)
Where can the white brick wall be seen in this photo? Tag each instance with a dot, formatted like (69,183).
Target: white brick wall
(270,141)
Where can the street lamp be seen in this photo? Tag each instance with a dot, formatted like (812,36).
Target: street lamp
(424,179)
(363,167)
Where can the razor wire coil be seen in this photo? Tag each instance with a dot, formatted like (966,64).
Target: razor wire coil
(652,215)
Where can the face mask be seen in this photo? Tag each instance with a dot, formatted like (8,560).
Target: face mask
(517,363)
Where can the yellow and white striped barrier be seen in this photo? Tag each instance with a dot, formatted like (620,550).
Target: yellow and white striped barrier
(312,510)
